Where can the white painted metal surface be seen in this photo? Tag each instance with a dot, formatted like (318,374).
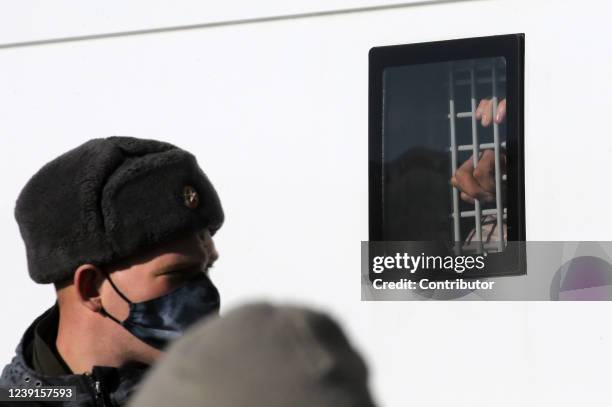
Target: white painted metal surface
(277,115)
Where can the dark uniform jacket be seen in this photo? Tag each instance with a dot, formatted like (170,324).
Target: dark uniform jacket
(37,364)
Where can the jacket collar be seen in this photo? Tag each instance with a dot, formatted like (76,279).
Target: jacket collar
(116,383)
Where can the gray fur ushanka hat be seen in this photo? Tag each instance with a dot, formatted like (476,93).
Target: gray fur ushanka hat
(108,199)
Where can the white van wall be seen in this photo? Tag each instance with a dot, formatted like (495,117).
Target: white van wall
(277,115)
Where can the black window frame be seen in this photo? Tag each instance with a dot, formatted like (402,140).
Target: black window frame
(510,46)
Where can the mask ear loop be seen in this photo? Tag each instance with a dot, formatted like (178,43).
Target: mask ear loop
(126,299)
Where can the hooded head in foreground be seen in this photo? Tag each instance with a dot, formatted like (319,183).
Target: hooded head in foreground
(260,355)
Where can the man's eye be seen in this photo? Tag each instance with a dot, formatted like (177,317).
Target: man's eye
(187,272)
(175,273)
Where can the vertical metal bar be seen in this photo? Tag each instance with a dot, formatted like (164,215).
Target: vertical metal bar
(475,157)
(498,197)
(453,142)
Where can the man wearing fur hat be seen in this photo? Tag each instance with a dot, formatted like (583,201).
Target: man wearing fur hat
(123,229)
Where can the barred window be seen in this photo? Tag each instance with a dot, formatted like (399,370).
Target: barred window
(446,145)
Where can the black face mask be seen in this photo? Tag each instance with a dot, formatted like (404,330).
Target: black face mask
(165,318)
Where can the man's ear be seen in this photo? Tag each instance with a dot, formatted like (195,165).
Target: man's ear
(87,281)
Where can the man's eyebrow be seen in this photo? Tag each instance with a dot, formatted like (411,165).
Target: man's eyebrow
(179,266)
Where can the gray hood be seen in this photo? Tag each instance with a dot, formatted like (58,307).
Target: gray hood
(259,355)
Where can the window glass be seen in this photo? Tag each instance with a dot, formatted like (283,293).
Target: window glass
(436,118)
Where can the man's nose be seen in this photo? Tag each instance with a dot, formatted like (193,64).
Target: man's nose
(214,255)
(208,246)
